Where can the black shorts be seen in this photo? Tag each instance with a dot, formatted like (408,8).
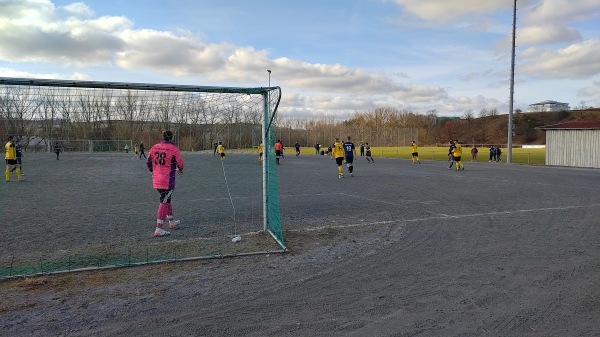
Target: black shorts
(415,154)
(349,159)
(165,195)
(223,154)
(339,160)
(11,162)
(278,153)
(457,158)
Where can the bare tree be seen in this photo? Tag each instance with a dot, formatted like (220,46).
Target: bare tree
(18,109)
(432,117)
(483,113)
(493,112)
(581,106)
(468,115)
(48,113)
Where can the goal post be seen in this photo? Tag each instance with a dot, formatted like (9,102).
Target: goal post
(95,116)
(271,209)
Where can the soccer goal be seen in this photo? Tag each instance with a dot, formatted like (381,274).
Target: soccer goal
(94,122)
(94,145)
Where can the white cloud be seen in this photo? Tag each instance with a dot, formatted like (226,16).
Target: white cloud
(26,12)
(547,34)
(420,94)
(463,103)
(81,40)
(6,72)
(73,36)
(592,92)
(33,31)
(79,10)
(579,60)
(531,12)
(551,22)
(166,52)
(539,22)
(560,11)
(447,11)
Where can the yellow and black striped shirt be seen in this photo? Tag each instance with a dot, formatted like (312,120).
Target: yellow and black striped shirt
(9,148)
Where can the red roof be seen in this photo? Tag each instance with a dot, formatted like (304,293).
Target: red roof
(573,125)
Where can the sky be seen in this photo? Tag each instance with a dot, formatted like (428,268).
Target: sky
(331,58)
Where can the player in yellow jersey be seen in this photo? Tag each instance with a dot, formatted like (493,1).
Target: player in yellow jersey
(457,153)
(415,153)
(221,150)
(10,156)
(337,153)
(260,152)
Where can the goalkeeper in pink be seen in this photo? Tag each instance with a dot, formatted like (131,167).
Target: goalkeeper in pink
(164,161)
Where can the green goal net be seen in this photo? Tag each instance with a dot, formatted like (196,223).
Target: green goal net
(95,206)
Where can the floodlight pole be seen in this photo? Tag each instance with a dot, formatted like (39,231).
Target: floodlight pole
(269,71)
(512,86)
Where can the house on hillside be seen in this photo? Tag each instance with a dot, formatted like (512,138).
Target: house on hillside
(574,143)
(548,106)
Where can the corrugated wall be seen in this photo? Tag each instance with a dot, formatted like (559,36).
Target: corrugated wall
(577,148)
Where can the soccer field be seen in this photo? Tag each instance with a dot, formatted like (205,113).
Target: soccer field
(527,156)
(398,249)
(99,209)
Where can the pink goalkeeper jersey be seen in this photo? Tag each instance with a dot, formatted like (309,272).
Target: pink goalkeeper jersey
(163,159)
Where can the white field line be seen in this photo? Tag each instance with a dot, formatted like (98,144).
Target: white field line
(509,180)
(403,203)
(444,217)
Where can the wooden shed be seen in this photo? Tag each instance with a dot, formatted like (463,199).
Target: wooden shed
(575,143)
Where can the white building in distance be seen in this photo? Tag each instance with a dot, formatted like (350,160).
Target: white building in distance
(548,106)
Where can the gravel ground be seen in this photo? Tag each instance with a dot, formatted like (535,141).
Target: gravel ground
(396,250)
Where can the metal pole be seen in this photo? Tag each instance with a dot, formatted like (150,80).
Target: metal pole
(269,71)
(512,87)
(266,155)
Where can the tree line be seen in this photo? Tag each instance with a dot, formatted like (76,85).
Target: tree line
(200,121)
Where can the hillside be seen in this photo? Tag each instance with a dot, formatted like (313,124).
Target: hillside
(494,129)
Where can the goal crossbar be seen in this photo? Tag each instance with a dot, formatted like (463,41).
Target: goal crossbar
(135,86)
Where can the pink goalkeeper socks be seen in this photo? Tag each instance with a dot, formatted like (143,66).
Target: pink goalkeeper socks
(169,211)
(162,212)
